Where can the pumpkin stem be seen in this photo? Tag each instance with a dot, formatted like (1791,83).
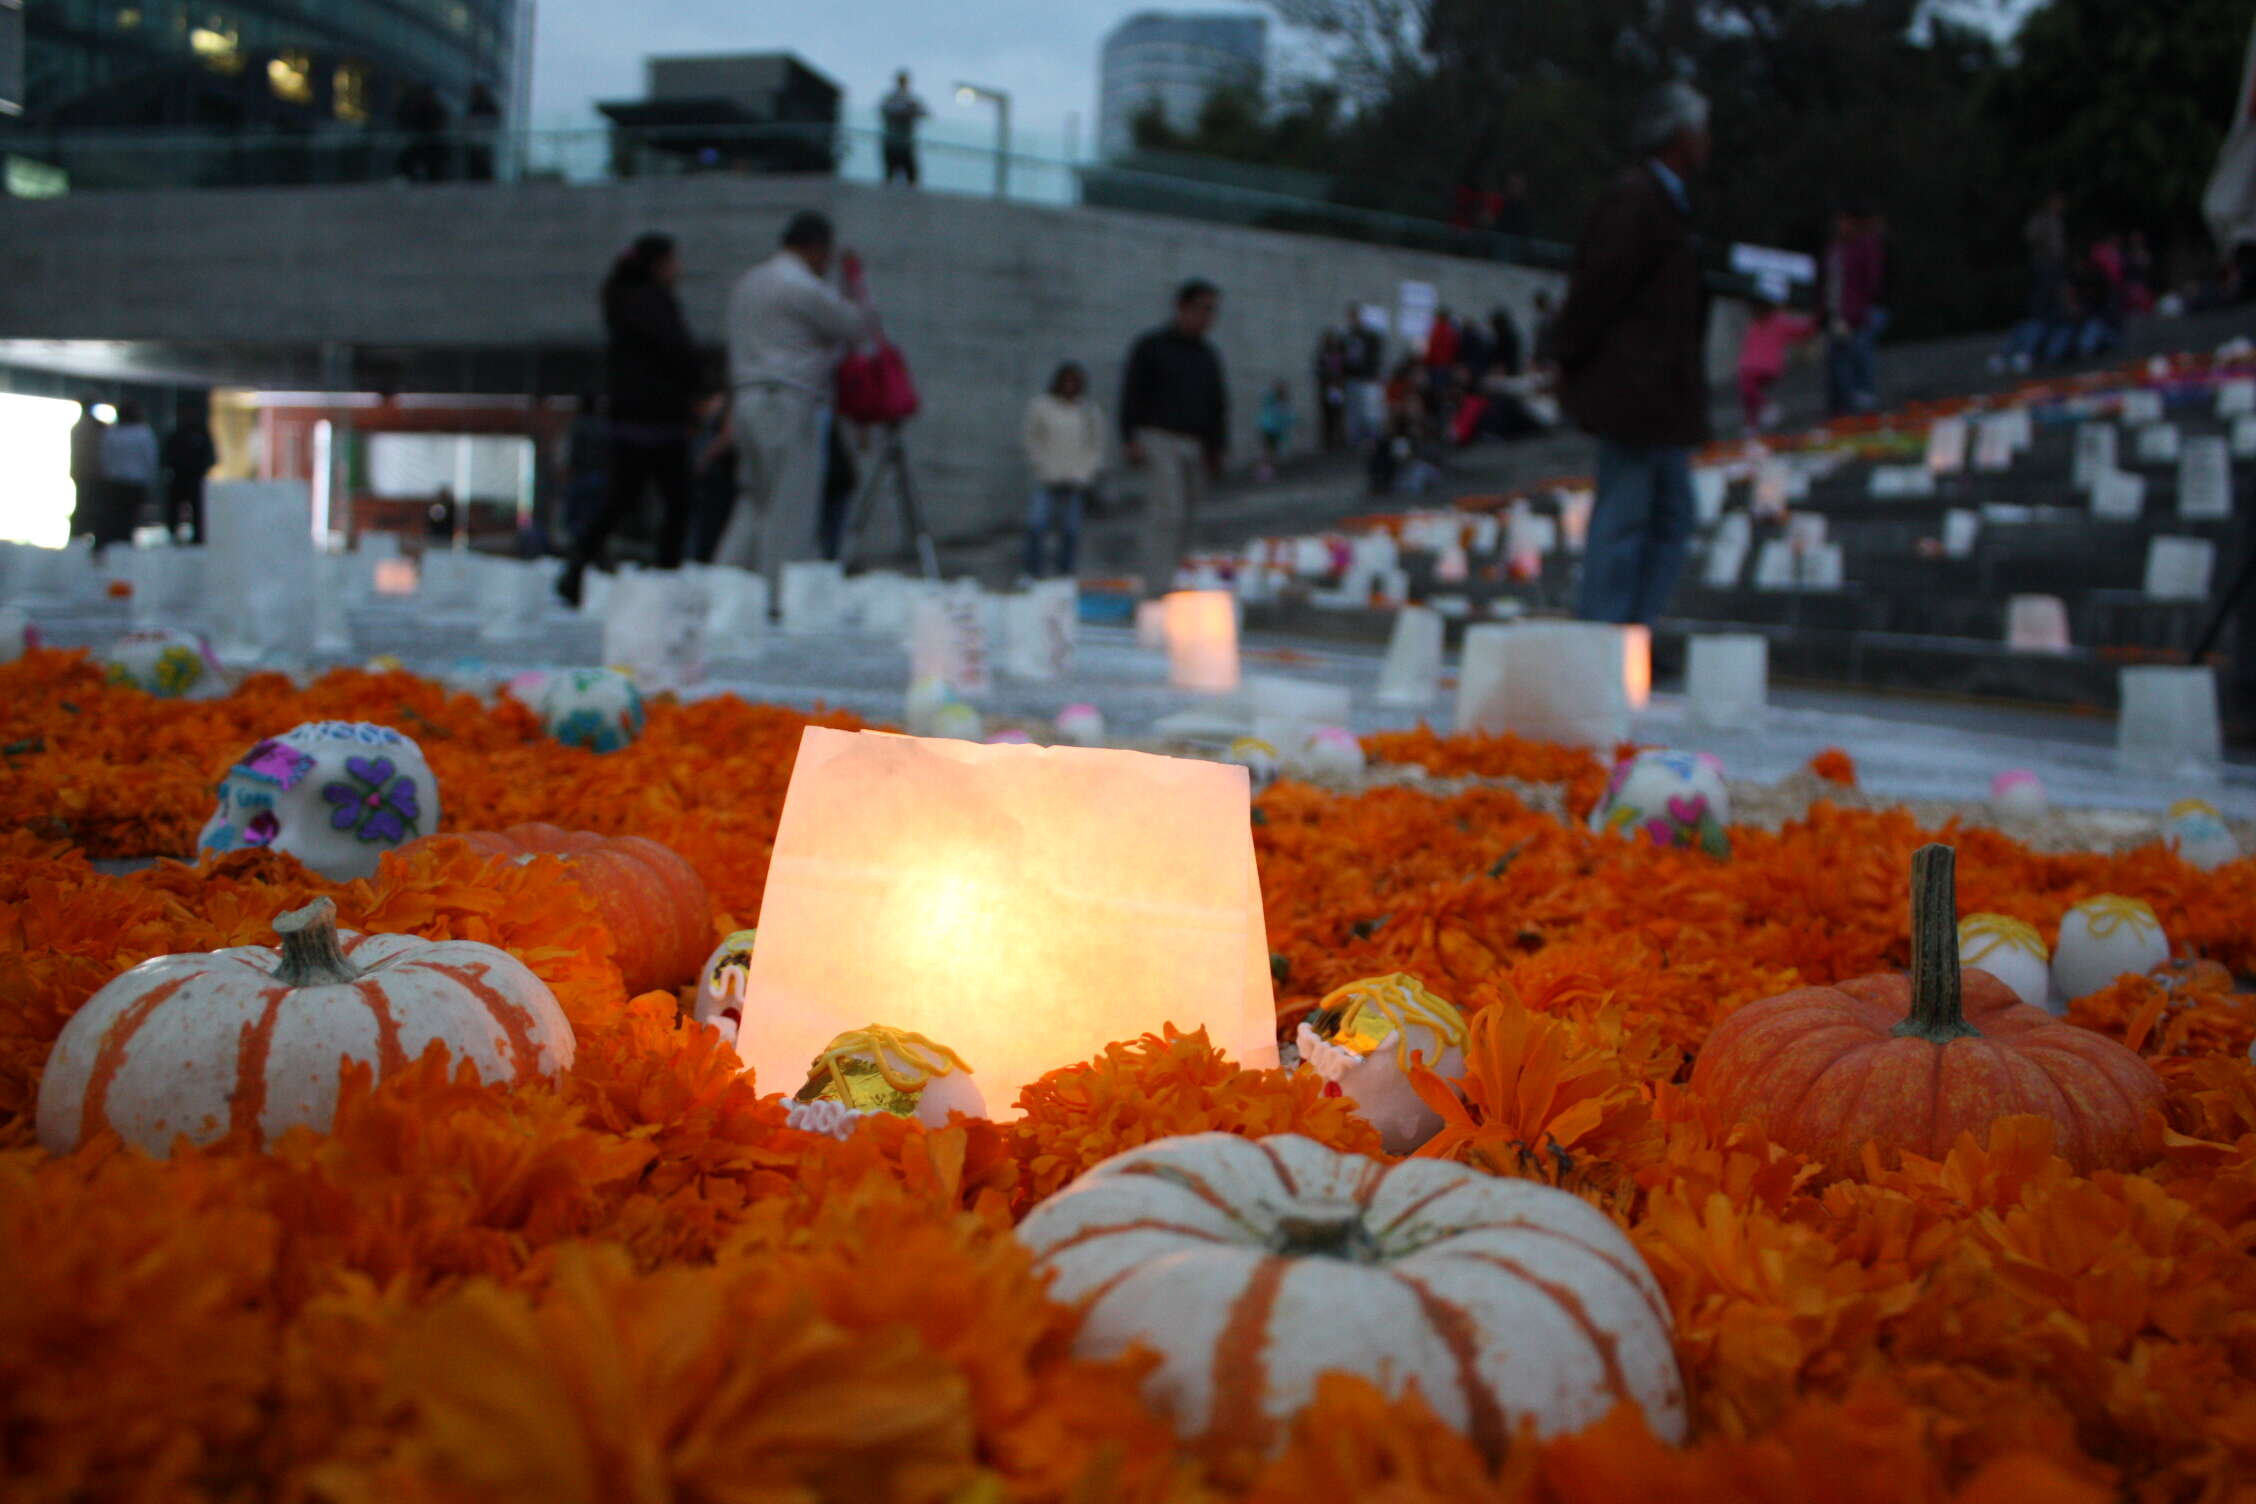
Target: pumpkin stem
(311,956)
(1335,1237)
(1936,1012)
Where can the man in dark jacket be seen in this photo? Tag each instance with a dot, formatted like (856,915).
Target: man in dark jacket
(188,457)
(1632,367)
(86,468)
(1175,421)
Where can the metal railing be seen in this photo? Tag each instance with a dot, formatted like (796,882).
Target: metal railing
(1190,188)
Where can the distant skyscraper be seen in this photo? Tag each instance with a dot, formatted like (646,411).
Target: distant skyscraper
(1176,59)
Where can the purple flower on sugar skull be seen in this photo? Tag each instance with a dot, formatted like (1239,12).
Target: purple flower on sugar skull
(374,801)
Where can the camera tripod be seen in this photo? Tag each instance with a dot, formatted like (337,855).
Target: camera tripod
(892,458)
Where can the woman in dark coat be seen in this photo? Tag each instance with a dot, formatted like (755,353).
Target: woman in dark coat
(655,377)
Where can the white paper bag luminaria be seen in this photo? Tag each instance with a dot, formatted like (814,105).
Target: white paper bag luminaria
(2179,569)
(1028,905)
(1202,640)
(1551,681)
(654,628)
(2036,624)
(1411,676)
(2205,489)
(1727,680)
(2168,725)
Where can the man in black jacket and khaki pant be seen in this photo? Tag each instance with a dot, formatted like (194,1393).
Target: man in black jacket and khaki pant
(1632,367)
(1175,421)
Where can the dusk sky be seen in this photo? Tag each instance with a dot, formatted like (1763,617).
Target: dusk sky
(1044,53)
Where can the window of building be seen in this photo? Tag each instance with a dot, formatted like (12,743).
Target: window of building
(218,42)
(348,91)
(290,76)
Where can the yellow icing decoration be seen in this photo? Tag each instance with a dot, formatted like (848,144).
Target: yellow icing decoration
(2109,912)
(877,1067)
(1981,936)
(1360,1016)
(2194,807)
(731,972)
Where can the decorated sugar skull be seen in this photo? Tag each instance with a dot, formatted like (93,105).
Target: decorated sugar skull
(877,1069)
(932,707)
(2012,952)
(17,635)
(1083,725)
(2017,794)
(1362,1040)
(596,708)
(2101,939)
(165,661)
(1669,798)
(720,984)
(1258,758)
(1333,750)
(2198,834)
(336,795)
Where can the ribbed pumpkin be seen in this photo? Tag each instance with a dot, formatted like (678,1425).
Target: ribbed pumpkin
(1912,1063)
(1253,1266)
(653,902)
(205,1043)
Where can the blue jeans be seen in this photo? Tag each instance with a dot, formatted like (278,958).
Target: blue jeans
(1640,529)
(1055,509)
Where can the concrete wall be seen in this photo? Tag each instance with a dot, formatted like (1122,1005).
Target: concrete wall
(984,298)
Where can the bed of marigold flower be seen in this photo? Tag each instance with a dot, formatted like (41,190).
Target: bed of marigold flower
(636,1282)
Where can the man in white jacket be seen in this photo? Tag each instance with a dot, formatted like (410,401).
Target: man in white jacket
(1064,436)
(787,330)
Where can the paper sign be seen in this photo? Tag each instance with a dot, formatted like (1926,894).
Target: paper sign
(1774,566)
(1994,444)
(1960,530)
(1946,446)
(2158,444)
(2178,569)
(1896,482)
(2095,454)
(2119,496)
(2205,479)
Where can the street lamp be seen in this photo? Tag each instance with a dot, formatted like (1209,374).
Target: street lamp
(973,94)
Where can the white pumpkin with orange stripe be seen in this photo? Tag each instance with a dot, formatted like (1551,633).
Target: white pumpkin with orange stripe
(1254,1265)
(198,1045)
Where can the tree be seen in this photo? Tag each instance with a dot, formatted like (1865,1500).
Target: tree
(2124,104)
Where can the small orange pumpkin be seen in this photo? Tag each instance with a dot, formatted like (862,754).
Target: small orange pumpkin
(1912,1063)
(652,901)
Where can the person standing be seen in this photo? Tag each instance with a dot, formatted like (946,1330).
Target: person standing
(787,330)
(1629,349)
(1366,396)
(188,458)
(86,469)
(901,111)
(129,474)
(1064,435)
(1854,270)
(1175,420)
(654,375)
(1275,422)
(1330,373)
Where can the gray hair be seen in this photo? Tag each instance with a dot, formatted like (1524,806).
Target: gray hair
(1672,108)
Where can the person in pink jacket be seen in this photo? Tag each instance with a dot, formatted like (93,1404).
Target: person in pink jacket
(1771,335)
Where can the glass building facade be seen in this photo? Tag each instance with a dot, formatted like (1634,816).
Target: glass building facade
(1173,60)
(309,66)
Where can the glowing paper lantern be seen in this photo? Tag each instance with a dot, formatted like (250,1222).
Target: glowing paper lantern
(1202,640)
(1637,665)
(1727,680)
(1029,905)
